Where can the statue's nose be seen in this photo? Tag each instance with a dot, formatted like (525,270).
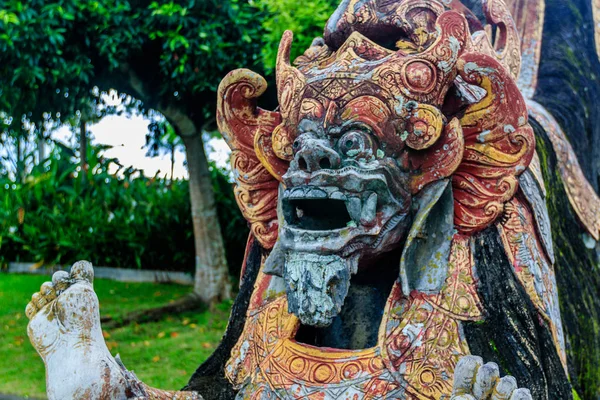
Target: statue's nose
(313,154)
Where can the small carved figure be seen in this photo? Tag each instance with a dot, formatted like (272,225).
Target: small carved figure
(399,227)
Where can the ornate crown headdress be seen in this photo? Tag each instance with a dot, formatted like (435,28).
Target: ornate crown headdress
(446,99)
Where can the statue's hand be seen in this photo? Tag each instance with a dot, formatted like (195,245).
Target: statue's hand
(475,381)
(65,330)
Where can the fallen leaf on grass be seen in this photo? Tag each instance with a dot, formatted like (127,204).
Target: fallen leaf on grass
(174,334)
(111,345)
(206,345)
(156,359)
(161,335)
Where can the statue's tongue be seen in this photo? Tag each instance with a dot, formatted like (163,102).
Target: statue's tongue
(317,285)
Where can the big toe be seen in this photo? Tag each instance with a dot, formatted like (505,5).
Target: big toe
(83,270)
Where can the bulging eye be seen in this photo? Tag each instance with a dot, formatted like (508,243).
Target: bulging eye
(357,144)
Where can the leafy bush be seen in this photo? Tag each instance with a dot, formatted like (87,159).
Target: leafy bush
(116,220)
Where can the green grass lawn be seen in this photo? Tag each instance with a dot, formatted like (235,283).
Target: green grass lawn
(163,354)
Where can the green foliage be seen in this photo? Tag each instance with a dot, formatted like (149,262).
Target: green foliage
(174,53)
(55,51)
(128,221)
(305,18)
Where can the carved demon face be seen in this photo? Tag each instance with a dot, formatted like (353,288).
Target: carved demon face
(345,198)
(347,194)
(368,147)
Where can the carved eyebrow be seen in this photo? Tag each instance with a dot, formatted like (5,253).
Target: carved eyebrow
(356,125)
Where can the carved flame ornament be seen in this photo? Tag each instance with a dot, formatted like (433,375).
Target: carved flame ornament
(429,127)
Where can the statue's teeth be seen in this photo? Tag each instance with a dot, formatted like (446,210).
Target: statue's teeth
(306,192)
(354,208)
(338,196)
(369,210)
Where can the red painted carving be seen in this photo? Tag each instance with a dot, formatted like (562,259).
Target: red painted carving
(441,102)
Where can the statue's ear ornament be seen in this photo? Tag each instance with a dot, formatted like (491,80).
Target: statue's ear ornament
(424,126)
(506,48)
(438,161)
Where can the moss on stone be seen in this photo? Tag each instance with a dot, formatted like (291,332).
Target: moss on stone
(577,279)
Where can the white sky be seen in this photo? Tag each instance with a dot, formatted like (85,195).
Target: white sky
(127,135)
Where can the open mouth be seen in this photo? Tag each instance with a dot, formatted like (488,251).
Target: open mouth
(318,214)
(323,209)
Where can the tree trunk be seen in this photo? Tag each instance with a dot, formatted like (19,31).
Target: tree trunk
(212,278)
(83,145)
(172,161)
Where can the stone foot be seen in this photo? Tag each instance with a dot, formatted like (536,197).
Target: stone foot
(65,330)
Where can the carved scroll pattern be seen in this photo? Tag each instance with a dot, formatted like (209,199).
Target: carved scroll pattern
(247,130)
(529,20)
(581,194)
(499,145)
(506,49)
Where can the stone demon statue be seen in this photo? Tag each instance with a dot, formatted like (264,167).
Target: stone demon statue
(400,233)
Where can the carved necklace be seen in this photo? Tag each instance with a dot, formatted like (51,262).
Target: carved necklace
(420,341)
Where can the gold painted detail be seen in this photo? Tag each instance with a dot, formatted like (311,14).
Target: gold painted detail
(532,267)
(459,297)
(529,20)
(419,345)
(581,194)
